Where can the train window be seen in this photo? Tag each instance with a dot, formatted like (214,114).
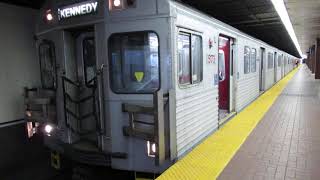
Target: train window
(134,62)
(196,58)
(89,60)
(270,60)
(279,60)
(246,60)
(221,62)
(253,60)
(47,64)
(285,61)
(288,60)
(184,59)
(190,58)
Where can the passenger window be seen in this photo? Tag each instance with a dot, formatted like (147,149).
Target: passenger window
(190,58)
(134,62)
(196,59)
(279,60)
(184,59)
(222,73)
(246,60)
(270,60)
(47,64)
(253,60)
(89,60)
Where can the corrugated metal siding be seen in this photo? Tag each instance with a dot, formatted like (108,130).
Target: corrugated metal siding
(196,117)
(247,91)
(196,106)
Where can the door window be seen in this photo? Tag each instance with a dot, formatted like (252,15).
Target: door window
(134,62)
(270,60)
(89,60)
(246,60)
(222,66)
(47,64)
(253,60)
(279,60)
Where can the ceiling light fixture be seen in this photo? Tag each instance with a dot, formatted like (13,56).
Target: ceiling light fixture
(283,13)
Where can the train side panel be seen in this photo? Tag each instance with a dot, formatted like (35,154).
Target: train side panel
(196,106)
(247,82)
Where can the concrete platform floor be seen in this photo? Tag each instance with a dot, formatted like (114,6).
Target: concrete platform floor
(286,142)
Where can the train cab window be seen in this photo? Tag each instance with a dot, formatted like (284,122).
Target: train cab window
(190,67)
(89,60)
(134,62)
(253,60)
(47,64)
(270,60)
(246,60)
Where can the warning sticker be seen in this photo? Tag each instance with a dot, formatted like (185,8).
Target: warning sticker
(139,76)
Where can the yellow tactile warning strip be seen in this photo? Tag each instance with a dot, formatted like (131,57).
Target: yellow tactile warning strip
(208,159)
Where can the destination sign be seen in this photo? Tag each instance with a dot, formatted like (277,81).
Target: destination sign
(78,9)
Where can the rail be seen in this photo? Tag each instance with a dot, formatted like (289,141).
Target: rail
(68,99)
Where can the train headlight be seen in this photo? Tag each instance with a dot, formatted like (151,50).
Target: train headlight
(116,3)
(48,129)
(49,15)
(28,113)
(151,149)
(121,4)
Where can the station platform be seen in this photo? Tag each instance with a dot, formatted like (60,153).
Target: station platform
(276,137)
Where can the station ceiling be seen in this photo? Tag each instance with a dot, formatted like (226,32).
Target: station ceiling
(305,18)
(257,18)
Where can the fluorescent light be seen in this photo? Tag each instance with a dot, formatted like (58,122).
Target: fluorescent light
(304,56)
(283,13)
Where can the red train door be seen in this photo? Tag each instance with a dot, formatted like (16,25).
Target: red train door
(224,72)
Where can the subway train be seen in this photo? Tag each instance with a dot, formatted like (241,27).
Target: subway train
(136,84)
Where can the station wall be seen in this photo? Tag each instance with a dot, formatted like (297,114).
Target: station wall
(18,59)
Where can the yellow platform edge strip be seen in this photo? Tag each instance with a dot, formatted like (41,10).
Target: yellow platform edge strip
(208,159)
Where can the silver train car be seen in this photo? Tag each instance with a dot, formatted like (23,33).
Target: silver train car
(136,84)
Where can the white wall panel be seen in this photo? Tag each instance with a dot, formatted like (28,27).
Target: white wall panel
(18,60)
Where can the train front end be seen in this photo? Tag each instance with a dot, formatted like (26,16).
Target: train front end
(103,99)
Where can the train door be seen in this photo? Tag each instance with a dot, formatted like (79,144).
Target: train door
(224,58)
(275,67)
(232,89)
(261,71)
(81,96)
